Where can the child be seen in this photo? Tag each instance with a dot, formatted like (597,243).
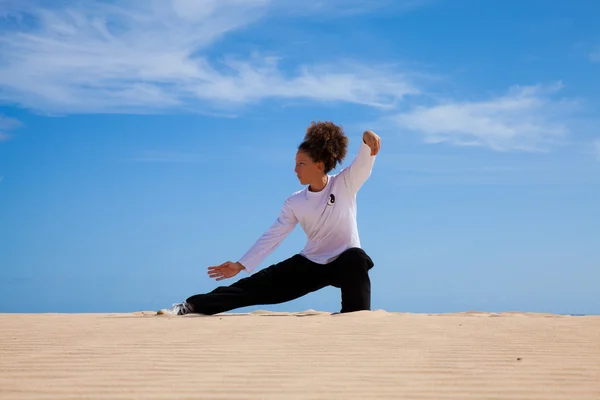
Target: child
(326,211)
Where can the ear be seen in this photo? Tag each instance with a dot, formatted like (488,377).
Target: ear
(321,165)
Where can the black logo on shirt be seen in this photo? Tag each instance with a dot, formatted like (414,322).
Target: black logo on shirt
(331,200)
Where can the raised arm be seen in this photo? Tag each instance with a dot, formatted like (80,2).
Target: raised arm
(271,239)
(357,173)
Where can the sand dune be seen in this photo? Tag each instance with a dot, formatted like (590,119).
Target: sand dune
(365,355)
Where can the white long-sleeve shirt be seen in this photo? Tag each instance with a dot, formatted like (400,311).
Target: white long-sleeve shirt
(328,217)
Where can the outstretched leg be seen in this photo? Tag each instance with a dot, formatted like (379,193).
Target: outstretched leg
(351,275)
(279,283)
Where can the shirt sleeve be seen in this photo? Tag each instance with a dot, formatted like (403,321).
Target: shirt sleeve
(357,173)
(271,239)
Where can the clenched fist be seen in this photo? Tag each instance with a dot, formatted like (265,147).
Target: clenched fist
(373,141)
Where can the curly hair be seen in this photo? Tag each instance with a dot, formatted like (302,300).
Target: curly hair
(325,142)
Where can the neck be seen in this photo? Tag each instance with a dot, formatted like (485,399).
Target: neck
(319,184)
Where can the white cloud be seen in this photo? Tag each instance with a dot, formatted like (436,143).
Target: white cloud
(154,55)
(526,118)
(134,56)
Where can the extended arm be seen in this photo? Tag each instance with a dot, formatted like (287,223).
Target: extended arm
(264,246)
(270,240)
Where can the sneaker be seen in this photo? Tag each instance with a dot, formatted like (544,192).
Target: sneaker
(178,309)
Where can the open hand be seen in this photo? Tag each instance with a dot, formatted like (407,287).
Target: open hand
(373,141)
(225,270)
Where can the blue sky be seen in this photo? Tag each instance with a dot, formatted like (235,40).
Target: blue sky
(141,142)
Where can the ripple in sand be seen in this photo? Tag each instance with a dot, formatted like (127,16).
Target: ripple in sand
(364,313)
(266,313)
(311,312)
(306,313)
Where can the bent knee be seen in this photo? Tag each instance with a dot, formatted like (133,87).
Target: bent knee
(355,257)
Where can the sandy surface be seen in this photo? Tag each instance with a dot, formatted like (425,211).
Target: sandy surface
(311,355)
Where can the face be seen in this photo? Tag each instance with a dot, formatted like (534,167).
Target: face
(306,169)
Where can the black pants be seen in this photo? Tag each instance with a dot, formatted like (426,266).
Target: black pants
(291,279)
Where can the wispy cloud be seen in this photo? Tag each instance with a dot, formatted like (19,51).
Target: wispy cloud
(156,55)
(7,124)
(526,118)
(132,56)
(346,7)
